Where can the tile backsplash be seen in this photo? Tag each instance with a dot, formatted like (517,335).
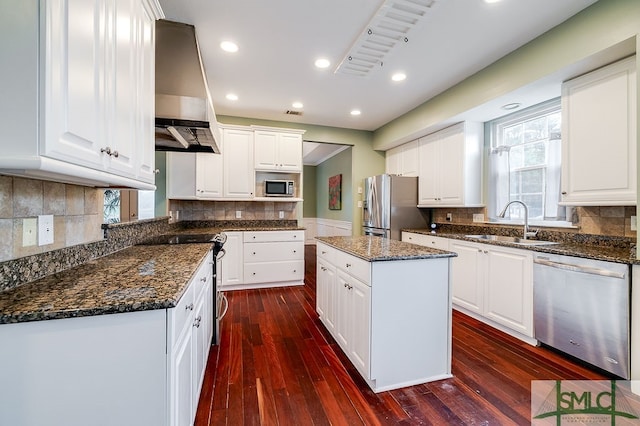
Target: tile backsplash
(181,210)
(76,210)
(603,220)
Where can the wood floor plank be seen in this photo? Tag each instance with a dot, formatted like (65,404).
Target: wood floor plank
(278,365)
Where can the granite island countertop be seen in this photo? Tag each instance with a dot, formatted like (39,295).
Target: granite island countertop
(134,279)
(619,254)
(375,249)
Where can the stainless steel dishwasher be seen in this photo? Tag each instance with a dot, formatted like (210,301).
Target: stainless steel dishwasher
(581,307)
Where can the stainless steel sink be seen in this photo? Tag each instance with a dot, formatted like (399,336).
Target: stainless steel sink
(513,240)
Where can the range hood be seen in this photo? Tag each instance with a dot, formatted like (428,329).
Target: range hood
(185,119)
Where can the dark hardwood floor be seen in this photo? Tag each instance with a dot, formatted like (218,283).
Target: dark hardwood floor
(277,365)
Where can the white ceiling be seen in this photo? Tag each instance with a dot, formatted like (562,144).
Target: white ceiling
(279,41)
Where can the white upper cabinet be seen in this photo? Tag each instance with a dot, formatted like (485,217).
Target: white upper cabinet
(237,157)
(403,160)
(194,175)
(89,109)
(450,167)
(599,136)
(278,150)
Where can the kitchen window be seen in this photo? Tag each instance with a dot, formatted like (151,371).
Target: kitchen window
(524,164)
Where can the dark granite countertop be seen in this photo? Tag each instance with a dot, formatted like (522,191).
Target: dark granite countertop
(621,253)
(374,249)
(134,279)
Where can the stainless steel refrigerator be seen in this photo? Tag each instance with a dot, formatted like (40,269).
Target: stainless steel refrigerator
(390,204)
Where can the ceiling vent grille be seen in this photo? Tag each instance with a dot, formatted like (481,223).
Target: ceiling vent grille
(387,30)
(291,112)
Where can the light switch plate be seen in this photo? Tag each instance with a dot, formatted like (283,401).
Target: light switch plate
(281,214)
(45,230)
(29,232)
(238,214)
(634,223)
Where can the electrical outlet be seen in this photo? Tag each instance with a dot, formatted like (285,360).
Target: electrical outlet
(359,190)
(449,217)
(359,204)
(478,217)
(238,214)
(634,223)
(29,232)
(45,230)
(281,214)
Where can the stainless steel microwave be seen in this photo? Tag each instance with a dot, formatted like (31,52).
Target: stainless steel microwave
(279,188)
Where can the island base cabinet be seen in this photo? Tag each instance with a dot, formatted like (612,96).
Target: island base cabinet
(96,370)
(393,321)
(410,323)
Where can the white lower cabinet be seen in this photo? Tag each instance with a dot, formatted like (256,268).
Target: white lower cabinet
(495,283)
(257,259)
(491,283)
(373,309)
(148,365)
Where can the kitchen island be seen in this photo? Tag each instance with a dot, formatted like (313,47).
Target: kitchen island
(388,305)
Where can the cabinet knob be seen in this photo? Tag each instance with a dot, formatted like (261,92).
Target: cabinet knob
(189,307)
(564,192)
(115,154)
(324,252)
(479,251)
(203,279)
(294,271)
(323,268)
(295,251)
(485,252)
(156,171)
(106,150)
(253,274)
(348,265)
(254,253)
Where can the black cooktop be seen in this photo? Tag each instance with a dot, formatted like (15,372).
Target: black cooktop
(179,239)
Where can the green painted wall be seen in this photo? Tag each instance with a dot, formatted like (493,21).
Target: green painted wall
(365,161)
(310,191)
(600,26)
(338,164)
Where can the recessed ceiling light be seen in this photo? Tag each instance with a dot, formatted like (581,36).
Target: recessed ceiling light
(322,63)
(492,1)
(297,105)
(232,96)
(355,112)
(229,46)
(511,106)
(399,76)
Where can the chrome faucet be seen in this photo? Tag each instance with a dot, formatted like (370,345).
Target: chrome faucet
(527,233)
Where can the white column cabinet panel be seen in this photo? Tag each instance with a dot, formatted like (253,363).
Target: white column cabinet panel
(450,167)
(599,127)
(466,276)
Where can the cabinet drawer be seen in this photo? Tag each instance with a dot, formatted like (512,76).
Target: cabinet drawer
(181,316)
(274,271)
(325,252)
(357,267)
(269,236)
(269,252)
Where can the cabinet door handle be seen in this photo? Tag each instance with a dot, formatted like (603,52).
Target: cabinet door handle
(479,251)
(323,268)
(115,154)
(106,150)
(564,192)
(348,265)
(203,279)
